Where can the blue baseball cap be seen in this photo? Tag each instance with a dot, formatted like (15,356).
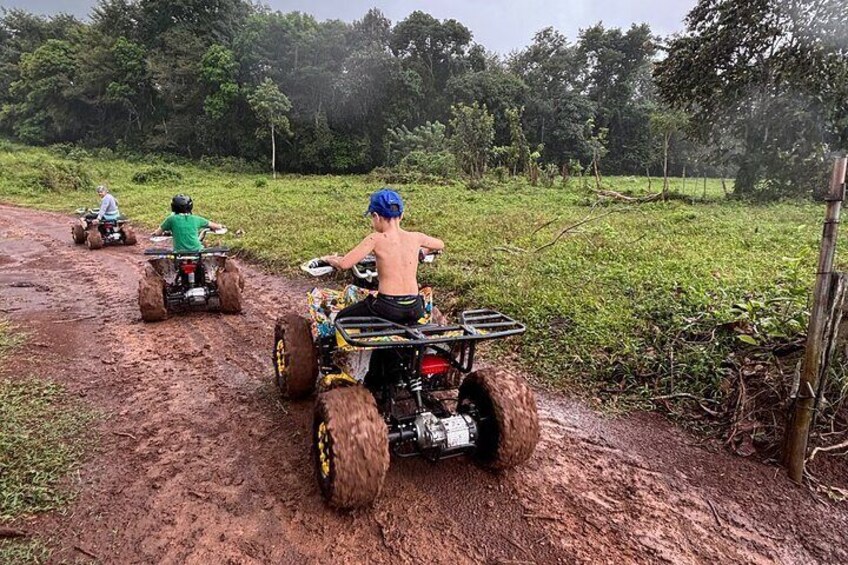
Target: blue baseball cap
(386,203)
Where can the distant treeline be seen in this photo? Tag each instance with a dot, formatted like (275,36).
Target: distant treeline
(177,76)
(754,89)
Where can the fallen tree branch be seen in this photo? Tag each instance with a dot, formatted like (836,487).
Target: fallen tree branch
(842,445)
(570,228)
(624,198)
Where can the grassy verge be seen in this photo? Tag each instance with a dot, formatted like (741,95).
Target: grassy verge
(42,440)
(644,299)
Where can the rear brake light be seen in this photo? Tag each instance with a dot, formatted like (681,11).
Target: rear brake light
(434,365)
(189,268)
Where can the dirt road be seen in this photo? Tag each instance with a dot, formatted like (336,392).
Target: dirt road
(199,461)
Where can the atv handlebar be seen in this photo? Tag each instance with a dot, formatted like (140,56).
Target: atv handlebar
(365,269)
(167,235)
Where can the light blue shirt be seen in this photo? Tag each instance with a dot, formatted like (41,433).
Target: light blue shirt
(108,207)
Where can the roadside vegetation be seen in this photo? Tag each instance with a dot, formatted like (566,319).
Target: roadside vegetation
(42,440)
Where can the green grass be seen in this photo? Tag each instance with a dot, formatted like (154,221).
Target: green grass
(622,302)
(42,440)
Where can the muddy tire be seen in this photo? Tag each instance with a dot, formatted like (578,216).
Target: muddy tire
(151,296)
(230,285)
(78,233)
(508,424)
(350,447)
(294,357)
(129,236)
(94,240)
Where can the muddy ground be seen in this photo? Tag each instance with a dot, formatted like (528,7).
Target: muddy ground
(200,462)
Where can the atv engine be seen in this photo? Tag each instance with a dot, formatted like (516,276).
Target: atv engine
(437,437)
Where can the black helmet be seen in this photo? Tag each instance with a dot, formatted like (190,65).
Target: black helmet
(181,204)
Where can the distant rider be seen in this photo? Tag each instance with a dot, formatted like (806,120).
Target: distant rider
(397,252)
(184,226)
(108,205)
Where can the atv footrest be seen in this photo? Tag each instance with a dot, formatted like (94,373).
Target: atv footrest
(377,333)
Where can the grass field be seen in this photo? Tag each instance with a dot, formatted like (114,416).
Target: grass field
(630,300)
(42,440)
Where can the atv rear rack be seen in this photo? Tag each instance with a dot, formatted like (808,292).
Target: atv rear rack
(474,325)
(161,252)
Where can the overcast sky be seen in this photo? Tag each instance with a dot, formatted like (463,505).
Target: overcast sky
(500,25)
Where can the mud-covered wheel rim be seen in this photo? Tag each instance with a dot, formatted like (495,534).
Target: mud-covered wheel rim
(324,451)
(280,361)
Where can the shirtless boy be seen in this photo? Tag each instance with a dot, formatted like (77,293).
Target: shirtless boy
(396,251)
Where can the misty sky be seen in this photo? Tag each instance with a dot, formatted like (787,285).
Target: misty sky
(500,25)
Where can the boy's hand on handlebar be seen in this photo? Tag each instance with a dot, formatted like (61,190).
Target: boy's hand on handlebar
(332,260)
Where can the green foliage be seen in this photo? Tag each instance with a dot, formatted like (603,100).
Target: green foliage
(441,164)
(471,138)
(430,137)
(157,173)
(63,176)
(770,74)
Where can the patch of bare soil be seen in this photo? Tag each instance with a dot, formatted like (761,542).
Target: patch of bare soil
(200,462)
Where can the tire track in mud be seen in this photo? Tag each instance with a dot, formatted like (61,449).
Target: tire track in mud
(201,462)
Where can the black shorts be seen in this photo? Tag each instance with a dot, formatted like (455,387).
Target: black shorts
(406,310)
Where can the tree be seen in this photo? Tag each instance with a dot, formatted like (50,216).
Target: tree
(772,72)
(472,136)
(270,106)
(597,140)
(666,123)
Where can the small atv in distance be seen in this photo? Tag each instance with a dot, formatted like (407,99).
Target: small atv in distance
(95,234)
(387,387)
(179,282)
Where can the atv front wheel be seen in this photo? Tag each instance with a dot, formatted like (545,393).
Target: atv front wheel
(350,447)
(78,233)
(151,296)
(129,236)
(230,285)
(294,357)
(507,420)
(94,240)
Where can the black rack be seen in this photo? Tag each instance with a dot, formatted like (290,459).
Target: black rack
(204,251)
(475,325)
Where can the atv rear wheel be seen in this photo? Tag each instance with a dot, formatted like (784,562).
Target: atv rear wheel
(506,417)
(94,240)
(230,285)
(78,233)
(294,357)
(350,447)
(129,236)
(151,296)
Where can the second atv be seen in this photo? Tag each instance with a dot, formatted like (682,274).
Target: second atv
(389,388)
(96,234)
(179,282)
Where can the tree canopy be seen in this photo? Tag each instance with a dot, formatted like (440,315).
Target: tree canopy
(183,77)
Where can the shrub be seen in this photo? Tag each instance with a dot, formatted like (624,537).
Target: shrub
(156,174)
(441,164)
(59,176)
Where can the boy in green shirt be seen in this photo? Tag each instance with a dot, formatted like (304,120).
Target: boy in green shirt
(184,226)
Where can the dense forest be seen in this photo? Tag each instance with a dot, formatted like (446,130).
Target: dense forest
(229,77)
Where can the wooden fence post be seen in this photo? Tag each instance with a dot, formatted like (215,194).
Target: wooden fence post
(798,427)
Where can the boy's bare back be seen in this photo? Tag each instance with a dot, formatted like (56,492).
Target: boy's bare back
(397,260)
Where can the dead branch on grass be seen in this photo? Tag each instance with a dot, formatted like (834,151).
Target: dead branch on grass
(613,195)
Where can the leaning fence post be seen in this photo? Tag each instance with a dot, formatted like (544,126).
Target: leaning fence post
(798,427)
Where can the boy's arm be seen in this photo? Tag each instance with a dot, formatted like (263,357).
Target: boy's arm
(353,257)
(431,243)
(166,226)
(213,226)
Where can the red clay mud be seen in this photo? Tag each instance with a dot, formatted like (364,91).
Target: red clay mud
(201,462)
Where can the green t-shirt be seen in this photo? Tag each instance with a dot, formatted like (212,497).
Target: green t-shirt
(184,228)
